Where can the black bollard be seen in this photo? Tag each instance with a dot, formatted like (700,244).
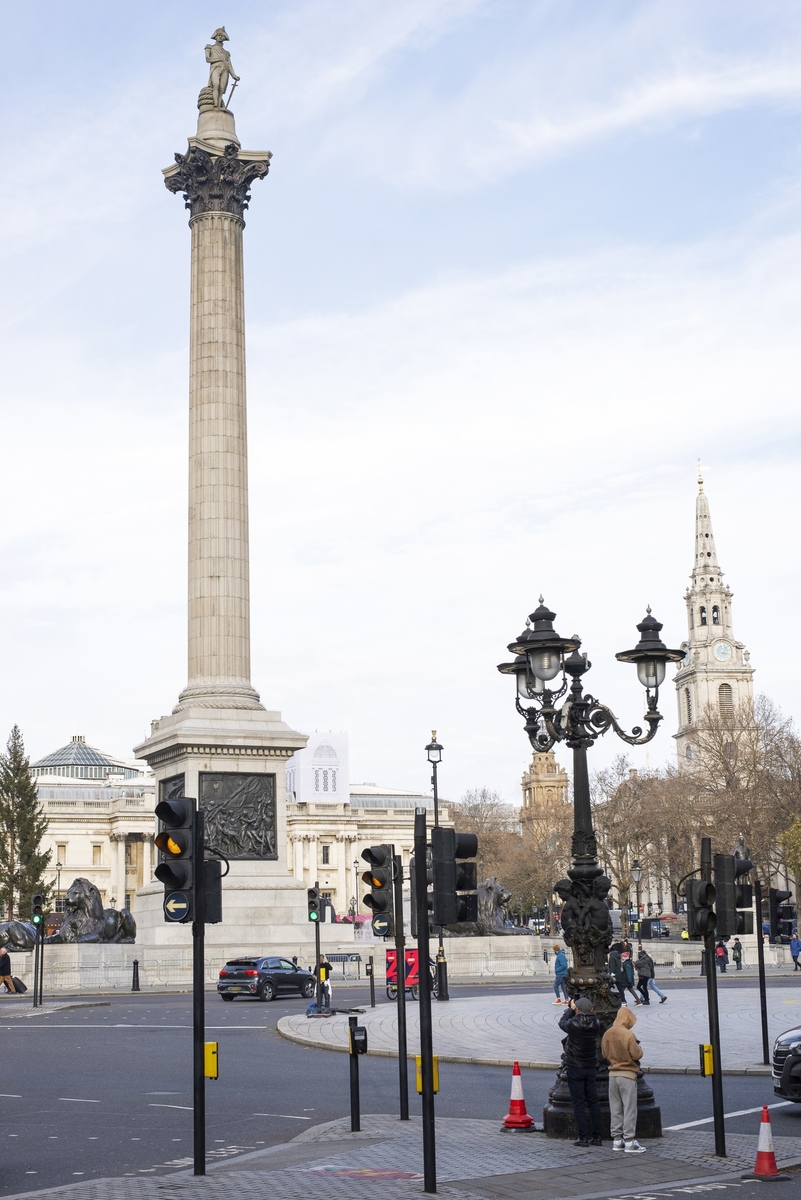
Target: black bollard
(135,980)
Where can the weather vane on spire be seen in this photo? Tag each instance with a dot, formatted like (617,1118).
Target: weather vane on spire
(700,478)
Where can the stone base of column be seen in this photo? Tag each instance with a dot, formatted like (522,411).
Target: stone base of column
(218,695)
(232,761)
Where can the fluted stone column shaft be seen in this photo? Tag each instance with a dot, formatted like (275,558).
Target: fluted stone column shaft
(219,577)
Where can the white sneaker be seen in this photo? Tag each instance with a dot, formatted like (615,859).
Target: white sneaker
(633,1148)
(618,1144)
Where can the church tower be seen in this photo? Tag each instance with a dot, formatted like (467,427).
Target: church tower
(715,671)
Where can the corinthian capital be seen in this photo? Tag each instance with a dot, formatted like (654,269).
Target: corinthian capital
(215,182)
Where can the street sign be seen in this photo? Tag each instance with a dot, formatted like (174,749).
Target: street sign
(176,906)
(382,925)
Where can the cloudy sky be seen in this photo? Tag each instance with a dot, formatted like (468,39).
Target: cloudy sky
(515,268)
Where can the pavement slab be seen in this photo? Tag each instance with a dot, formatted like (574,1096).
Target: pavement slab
(473,1163)
(499,1030)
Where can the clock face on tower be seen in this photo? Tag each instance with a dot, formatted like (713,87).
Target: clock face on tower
(722,651)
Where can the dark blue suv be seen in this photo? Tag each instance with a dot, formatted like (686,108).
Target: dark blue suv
(264,978)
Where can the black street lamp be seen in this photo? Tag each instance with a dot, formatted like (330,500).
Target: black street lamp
(59,869)
(636,875)
(434,755)
(356,888)
(548,670)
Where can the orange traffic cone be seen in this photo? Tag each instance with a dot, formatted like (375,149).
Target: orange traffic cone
(517,1117)
(765,1167)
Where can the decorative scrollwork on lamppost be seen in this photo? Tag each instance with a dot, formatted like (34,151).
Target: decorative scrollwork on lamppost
(551,699)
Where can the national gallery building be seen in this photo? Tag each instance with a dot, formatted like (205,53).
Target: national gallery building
(101,822)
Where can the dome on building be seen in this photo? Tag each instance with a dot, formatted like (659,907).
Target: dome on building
(79,761)
(325,754)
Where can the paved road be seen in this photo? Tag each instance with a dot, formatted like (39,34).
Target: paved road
(523,1027)
(107,1091)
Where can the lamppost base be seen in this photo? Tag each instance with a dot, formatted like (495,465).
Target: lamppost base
(442,980)
(558,1120)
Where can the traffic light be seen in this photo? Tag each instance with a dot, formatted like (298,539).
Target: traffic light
(413,893)
(379,879)
(452,876)
(313,903)
(37,910)
(781,915)
(700,911)
(175,842)
(732,896)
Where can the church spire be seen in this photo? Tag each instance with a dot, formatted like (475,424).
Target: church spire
(715,674)
(705,568)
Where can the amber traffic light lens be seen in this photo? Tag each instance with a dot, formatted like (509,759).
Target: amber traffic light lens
(175,844)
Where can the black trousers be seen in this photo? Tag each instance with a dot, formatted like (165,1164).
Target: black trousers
(584,1098)
(642,988)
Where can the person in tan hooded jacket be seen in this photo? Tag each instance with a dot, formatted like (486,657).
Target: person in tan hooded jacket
(623,1052)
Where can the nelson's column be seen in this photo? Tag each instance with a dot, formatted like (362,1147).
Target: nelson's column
(220,744)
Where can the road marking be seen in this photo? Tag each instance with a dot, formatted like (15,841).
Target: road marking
(286,1116)
(78,1100)
(185,1107)
(10,1096)
(743,1112)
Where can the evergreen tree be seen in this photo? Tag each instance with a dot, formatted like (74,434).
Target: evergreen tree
(22,827)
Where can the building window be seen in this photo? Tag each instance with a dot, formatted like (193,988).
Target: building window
(59,905)
(325,781)
(703,614)
(688,753)
(128,854)
(333,781)
(326,854)
(97,856)
(725,698)
(715,615)
(128,900)
(61,853)
(688,704)
(316,781)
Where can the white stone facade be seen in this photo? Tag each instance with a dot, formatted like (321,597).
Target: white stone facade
(100,822)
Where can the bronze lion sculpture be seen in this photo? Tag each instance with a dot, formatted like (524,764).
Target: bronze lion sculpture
(85,919)
(17,935)
(493,914)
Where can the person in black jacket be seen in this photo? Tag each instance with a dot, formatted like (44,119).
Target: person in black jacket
(581,1060)
(5,971)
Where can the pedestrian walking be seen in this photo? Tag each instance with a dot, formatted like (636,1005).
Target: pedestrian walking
(5,971)
(795,949)
(560,975)
(323,972)
(582,1027)
(627,968)
(737,954)
(623,1052)
(616,971)
(646,969)
(721,956)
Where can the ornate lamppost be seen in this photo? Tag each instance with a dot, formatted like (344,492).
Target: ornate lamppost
(636,875)
(434,755)
(59,869)
(550,697)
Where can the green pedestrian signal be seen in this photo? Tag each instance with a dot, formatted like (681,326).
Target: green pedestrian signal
(313,902)
(37,909)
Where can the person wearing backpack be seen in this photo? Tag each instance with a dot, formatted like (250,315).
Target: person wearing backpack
(721,956)
(737,954)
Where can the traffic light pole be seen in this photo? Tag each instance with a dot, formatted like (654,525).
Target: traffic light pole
(36,970)
(199,999)
(714,1021)
(41,962)
(318,995)
(400,962)
(763,999)
(426,1043)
